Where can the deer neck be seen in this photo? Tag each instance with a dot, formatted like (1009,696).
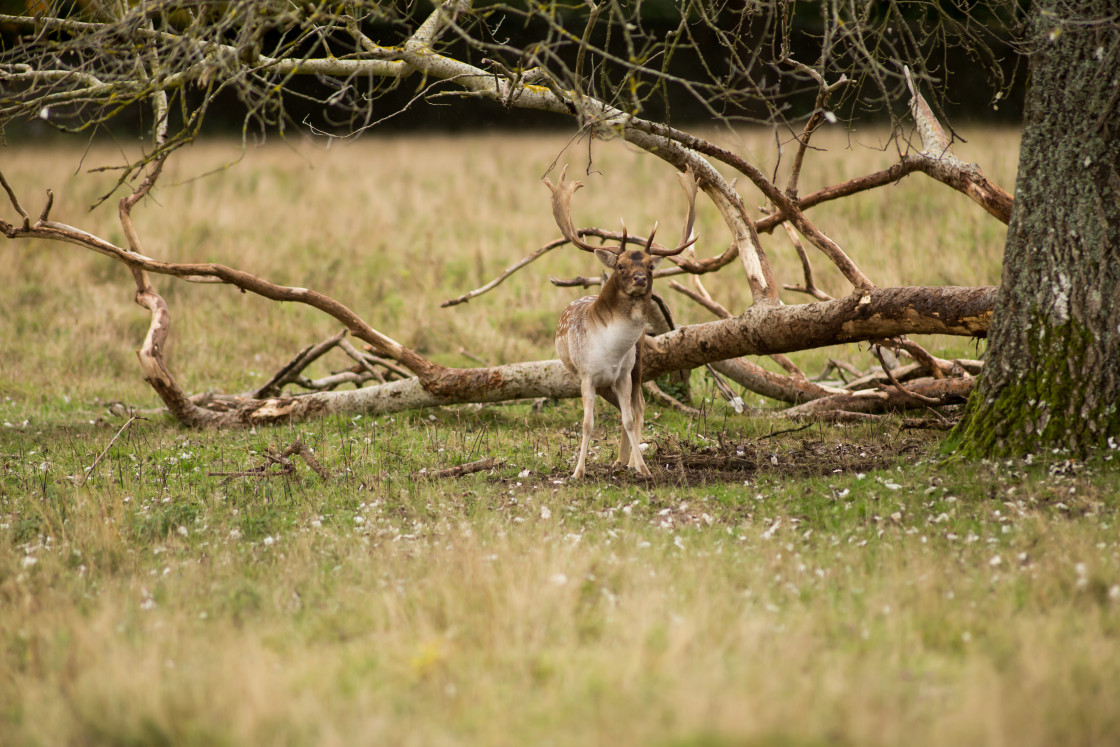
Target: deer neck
(612,306)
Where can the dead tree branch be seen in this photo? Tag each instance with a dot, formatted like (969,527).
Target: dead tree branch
(466,469)
(290,373)
(283,462)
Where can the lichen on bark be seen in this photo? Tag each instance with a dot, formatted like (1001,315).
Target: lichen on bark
(1055,401)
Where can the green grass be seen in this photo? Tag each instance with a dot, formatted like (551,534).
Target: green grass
(833,585)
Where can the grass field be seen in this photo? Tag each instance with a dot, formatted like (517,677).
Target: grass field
(841,585)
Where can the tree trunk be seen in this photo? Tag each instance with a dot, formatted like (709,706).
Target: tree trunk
(1052,378)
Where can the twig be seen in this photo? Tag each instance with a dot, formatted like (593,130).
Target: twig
(386,363)
(842,416)
(815,118)
(471,356)
(810,286)
(299,448)
(840,367)
(15,201)
(660,397)
(919,354)
(360,358)
(712,306)
(577,282)
(467,469)
(943,424)
(89,470)
(355,376)
(886,369)
(508,271)
(292,370)
(724,389)
(771,434)
(286,466)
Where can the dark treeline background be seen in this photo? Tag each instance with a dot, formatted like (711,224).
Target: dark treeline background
(967,83)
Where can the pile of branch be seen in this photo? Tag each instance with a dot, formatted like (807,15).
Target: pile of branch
(391,377)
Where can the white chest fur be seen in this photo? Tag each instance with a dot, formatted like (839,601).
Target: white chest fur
(602,351)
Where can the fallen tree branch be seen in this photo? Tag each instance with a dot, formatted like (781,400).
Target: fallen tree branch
(273,458)
(765,328)
(944,391)
(466,469)
(910,371)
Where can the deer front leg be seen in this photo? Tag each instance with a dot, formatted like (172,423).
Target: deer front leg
(587,390)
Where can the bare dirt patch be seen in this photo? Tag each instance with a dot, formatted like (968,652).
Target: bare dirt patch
(733,460)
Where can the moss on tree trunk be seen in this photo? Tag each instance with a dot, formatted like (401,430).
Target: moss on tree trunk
(1052,377)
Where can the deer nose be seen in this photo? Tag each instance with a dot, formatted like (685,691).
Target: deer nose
(639,279)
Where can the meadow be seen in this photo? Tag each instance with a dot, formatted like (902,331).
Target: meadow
(842,585)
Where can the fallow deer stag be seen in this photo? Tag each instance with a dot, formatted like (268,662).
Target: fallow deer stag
(599,338)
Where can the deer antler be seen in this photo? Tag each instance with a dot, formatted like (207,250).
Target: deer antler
(562,212)
(688,182)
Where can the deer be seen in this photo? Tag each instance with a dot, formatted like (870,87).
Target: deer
(600,338)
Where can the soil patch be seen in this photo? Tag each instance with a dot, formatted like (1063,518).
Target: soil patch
(728,460)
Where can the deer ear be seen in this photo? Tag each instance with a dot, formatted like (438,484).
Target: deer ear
(607,257)
(655,260)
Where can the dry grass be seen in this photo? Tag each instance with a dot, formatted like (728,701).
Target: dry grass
(919,603)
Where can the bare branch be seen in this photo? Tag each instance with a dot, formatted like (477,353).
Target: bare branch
(113,440)
(466,469)
(290,372)
(15,201)
(505,274)
(894,382)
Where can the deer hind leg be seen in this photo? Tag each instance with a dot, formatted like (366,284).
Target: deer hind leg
(638,407)
(624,457)
(587,390)
(629,452)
